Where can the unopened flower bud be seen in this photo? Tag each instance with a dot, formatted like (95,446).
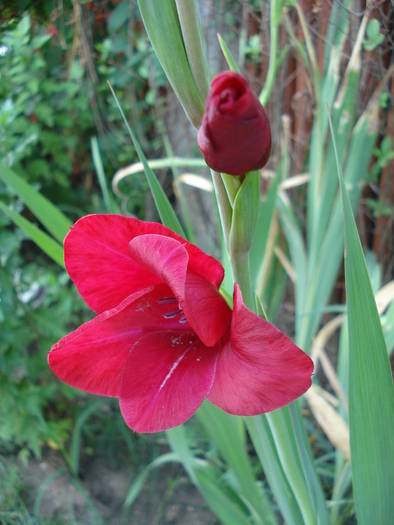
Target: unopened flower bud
(235,135)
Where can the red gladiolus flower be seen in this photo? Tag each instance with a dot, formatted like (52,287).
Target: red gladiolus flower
(235,135)
(164,338)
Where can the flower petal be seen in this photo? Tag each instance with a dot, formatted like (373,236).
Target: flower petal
(97,259)
(259,369)
(163,257)
(92,357)
(166,378)
(206,311)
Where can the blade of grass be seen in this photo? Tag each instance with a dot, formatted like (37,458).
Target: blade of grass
(49,216)
(207,479)
(179,444)
(296,246)
(232,64)
(166,212)
(48,245)
(98,164)
(279,423)
(370,382)
(43,488)
(75,447)
(95,517)
(140,480)
(322,278)
(264,444)
(296,428)
(266,212)
(273,289)
(388,328)
(224,507)
(227,433)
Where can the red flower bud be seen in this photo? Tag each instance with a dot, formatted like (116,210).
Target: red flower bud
(235,135)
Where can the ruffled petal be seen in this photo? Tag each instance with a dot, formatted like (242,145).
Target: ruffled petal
(259,369)
(92,357)
(206,311)
(166,378)
(97,259)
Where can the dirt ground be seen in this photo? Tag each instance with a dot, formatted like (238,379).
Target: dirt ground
(167,498)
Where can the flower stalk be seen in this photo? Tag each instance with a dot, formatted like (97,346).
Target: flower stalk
(238,203)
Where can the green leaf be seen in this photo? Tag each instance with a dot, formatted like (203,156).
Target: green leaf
(370,384)
(140,480)
(208,480)
(119,16)
(299,477)
(44,486)
(245,212)
(263,224)
(178,442)
(189,19)
(49,216)
(225,508)
(374,36)
(166,212)
(227,433)
(164,31)
(23,26)
(43,241)
(98,164)
(388,328)
(75,447)
(264,444)
(232,64)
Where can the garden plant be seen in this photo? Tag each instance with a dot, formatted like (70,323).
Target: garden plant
(290,425)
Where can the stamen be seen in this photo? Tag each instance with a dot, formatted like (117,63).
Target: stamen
(171,315)
(167,300)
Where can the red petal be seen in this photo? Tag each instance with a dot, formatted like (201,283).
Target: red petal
(92,357)
(163,257)
(167,377)
(260,369)
(97,259)
(205,309)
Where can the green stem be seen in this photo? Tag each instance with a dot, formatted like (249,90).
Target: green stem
(276,14)
(224,206)
(241,272)
(232,185)
(285,425)
(295,484)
